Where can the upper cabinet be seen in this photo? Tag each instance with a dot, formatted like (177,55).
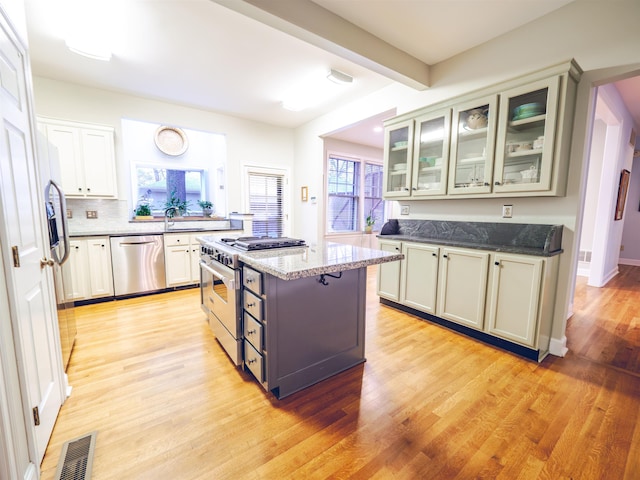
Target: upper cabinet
(398,143)
(509,140)
(87,158)
(472,145)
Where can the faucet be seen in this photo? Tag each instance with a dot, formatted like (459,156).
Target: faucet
(167,224)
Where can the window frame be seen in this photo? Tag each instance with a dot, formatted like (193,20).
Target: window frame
(362,160)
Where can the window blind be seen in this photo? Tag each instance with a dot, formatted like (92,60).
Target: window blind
(266,204)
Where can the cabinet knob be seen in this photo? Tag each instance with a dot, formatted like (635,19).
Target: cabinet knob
(486,184)
(88,189)
(414,189)
(434,254)
(444,256)
(79,189)
(497,183)
(102,245)
(497,264)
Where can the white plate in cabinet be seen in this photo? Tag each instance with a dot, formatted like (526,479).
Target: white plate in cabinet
(514,297)
(463,286)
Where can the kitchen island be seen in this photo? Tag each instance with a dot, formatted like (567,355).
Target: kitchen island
(302,312)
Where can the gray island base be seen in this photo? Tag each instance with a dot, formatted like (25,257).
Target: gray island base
(303,312)
(314,329)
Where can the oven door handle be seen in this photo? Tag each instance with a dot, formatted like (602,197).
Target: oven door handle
(229,282)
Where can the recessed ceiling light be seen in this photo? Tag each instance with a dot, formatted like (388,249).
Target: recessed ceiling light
(339,77)
(377,129)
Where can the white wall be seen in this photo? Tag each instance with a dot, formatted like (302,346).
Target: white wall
(248,142)
(599,35)
(593,185)
(631,232)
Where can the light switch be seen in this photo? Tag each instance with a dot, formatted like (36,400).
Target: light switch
(92,214)
(404,210)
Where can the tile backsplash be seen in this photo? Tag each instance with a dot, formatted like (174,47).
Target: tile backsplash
(114,216)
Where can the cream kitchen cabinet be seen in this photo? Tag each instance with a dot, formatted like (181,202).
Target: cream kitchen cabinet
(520,146)
(521,294)
(398,147)
(87,157)
(430,164)
(462,286)
(389,273)
(182,258)
(419,277)
(90,264)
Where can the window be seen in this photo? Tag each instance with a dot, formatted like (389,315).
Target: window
(156,185)
(197,174)
(354,192)
(266,204)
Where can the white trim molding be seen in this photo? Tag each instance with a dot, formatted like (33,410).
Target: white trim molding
(558,347)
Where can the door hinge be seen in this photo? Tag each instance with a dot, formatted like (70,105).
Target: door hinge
(36,416)
(16,256)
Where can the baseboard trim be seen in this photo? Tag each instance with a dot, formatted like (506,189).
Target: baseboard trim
(558,347)
(629,261)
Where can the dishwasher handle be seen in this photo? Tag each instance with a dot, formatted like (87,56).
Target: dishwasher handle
(152,242)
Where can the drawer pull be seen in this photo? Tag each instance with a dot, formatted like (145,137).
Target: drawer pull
(251,332)
(252,360)
(250,280)
(252,304)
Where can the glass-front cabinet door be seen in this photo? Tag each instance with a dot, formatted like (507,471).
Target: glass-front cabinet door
(398,146)
(472,146)
(524,150)
(431,154)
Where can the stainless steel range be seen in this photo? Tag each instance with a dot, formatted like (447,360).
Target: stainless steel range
(221,283)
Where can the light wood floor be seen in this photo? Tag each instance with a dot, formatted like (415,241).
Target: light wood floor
(167,403)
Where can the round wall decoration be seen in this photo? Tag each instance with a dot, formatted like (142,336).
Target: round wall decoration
(171,140)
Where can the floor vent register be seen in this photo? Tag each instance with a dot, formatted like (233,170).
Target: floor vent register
(76,458)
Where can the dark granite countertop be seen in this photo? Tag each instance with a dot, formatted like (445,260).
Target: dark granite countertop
(520,238)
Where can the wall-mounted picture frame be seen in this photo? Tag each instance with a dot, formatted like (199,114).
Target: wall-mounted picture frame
(304,193)
(623,187)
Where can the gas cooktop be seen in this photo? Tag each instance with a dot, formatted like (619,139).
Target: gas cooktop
(262,243)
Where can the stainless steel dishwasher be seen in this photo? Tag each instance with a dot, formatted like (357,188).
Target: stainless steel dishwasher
(138,264)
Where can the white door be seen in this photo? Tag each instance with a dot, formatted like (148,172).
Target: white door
(24,243)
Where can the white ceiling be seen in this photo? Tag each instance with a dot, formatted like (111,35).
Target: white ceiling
(202,54)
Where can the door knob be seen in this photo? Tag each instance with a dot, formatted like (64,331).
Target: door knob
(44,262)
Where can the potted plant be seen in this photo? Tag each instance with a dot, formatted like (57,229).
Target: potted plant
(207,207)
(369,223)
(180,205)
(143,212)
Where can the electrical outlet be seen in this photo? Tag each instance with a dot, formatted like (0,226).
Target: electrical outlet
(507,211)
(404,210)
(69,213)
(92,214)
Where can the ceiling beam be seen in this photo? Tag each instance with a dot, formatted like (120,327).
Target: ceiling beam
(314,24)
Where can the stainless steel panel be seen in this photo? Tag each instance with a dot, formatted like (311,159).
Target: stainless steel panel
(220,295)
(138,264)
(252,280)
(253,331)
(253,304)
(231,345)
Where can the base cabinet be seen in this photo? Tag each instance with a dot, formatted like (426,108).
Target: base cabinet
(463,286)
(299,332)
(419,282)
(182,258)
(503,295)
(389,273)
(90,264)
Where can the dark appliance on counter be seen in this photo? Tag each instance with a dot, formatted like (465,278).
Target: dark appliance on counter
(221,286)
